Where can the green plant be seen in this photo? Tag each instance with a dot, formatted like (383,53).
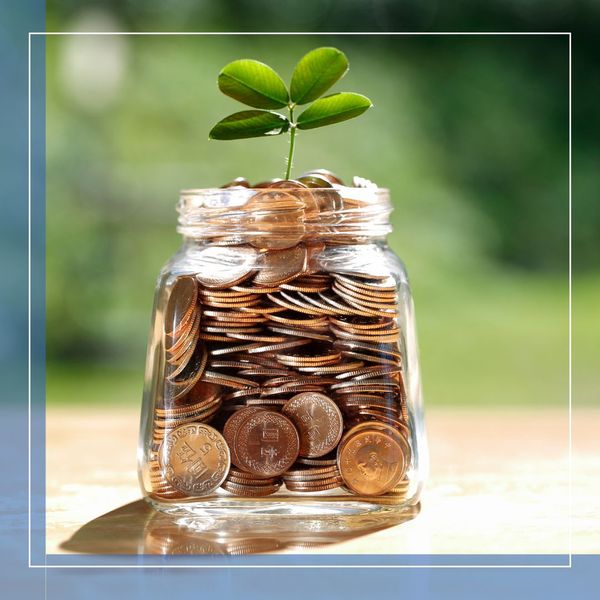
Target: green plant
(257,85)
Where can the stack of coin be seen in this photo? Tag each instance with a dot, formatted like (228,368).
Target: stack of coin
(297,366)
(313,479)
(241,483)
(185,361)
(202,403)
(160,486)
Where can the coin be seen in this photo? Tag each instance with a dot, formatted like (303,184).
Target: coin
(229,380)
(237,474)
(323,461)
(237,182)
(318,420)
(232,425)
(225,266)
(279,266)
(308,474)
(275,217)
(186,380)
(195,459)
(266,443)
(181,303)
(291,331)
(314,181)
(266,184)
(318,486)
(290,318)
(372,458)
(324,174)
(242,489)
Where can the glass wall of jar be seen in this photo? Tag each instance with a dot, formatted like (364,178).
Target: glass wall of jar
(282,374)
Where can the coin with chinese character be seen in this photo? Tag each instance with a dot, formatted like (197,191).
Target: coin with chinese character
(266,443)
(195,459)
(319,422)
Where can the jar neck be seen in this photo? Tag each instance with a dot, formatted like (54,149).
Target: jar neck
(275,218)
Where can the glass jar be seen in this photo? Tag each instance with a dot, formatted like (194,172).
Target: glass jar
(282,374)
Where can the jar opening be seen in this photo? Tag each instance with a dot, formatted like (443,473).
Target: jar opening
(278,217)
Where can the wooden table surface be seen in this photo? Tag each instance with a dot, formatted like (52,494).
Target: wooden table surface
(499,483)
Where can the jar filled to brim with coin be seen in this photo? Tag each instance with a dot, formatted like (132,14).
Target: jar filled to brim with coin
(282,371)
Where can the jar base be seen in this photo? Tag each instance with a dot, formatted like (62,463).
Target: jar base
(289,514)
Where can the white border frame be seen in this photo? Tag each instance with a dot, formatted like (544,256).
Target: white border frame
(569,565)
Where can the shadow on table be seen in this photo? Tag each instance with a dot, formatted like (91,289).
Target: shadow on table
(137,528)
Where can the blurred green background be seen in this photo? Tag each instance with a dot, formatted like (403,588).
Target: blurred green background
(469,133)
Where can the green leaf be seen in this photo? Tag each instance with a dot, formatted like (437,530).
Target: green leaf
(316,72)
(254,84)
(333,109)
(248,124)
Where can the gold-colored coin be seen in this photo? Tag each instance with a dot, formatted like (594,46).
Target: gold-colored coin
(238,489)
(181,304)
(279,266)
(318,420)
(224,266)
(195,459)
(373,458)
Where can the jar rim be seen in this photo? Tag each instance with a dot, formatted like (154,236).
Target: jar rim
(340,212)
(211,190)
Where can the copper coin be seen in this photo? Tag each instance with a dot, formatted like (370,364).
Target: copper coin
(179,339)
(232,425)
(369,357)
(180,353)
(276,219)
(318,420)
(313,335)
(195,459)
(225,266)
(266,443)
(228,380)
(237,182)
(266,184)
(188,378)
(249,477)
(250,490)
(317,486)
(308,474)
(288,184)
(184,407)
(338,368)
(279,266)
(291,319)
(314,181)
(335,477)
(354,323)
(271,403)
(182,301)
(257,348)
(373,458)
(324,461)
(324,174)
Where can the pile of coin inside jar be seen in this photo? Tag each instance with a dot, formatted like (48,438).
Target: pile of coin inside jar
(279,375)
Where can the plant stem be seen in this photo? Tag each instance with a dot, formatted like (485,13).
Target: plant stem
(292,143)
